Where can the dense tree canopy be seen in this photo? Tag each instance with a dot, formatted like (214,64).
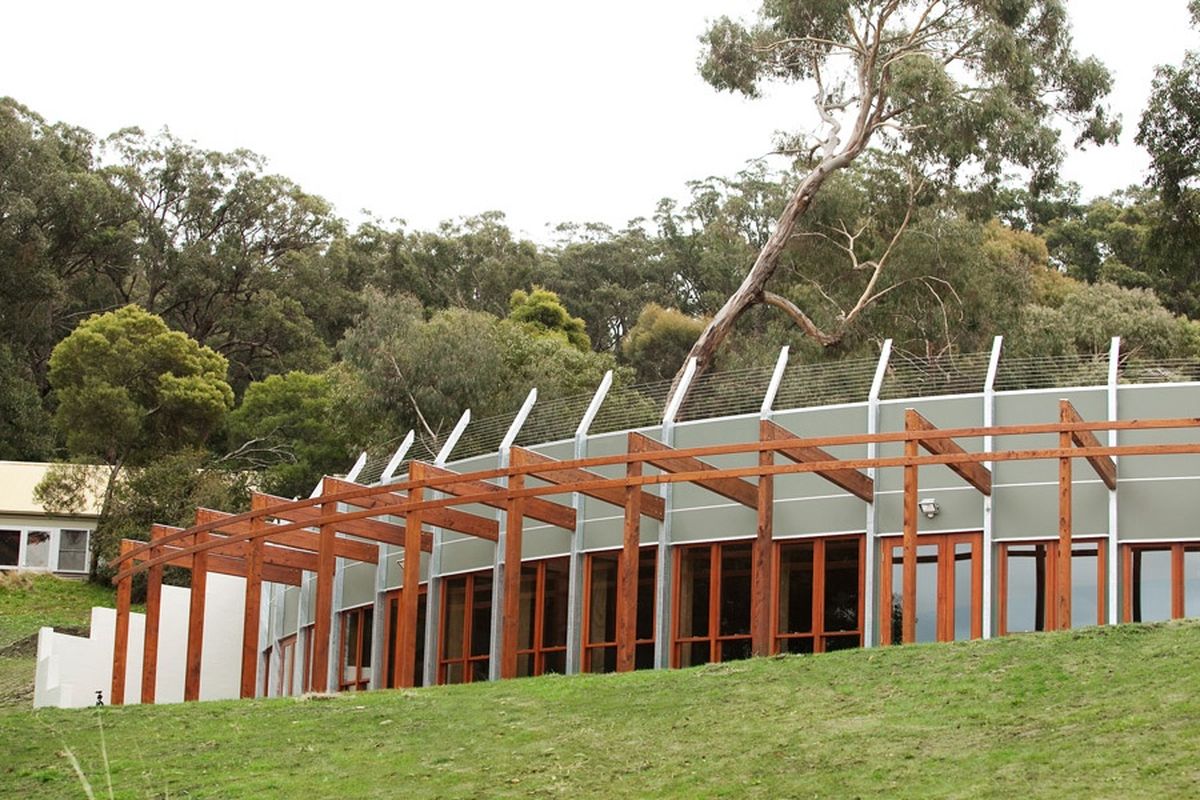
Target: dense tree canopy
(129,388)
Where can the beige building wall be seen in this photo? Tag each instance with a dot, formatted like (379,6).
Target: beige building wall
(31,538)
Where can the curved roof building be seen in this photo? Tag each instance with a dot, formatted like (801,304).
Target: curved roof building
(796,509)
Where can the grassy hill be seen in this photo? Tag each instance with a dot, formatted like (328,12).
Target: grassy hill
(27,603)
(1103,712)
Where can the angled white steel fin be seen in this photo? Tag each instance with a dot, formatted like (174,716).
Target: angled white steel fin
(885,356)
(768,402)
(672,408)
(444,454)
(593,408)
(394,463)
(519,420)
(352,475)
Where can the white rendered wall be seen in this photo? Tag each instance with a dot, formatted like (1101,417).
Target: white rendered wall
(71,669)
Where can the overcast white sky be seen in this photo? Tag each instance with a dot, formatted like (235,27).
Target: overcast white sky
(548,110)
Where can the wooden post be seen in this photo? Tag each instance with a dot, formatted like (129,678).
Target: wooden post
(627,572)
(195,645)
(511,617)
(1063,617)
(252,612)
(406,632)
(1177,580)
(909,590)
(761,569)
(323,608)
(153,615)
(121,634)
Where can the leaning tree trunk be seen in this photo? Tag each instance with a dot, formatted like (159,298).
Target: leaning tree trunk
(753,287)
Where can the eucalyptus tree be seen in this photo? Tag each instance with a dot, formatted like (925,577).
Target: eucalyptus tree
(957,86)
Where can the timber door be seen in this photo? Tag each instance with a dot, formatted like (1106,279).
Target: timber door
(949,588)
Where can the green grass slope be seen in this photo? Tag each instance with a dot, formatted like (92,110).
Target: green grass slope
(27,602)
(1104,712)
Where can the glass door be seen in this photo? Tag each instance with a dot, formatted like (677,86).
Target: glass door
(949,588)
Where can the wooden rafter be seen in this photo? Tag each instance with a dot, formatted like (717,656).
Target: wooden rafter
(973,473)
(373,529)
(1105,467)
(451,519)
(652,505)
(851,480)
(297,540)
(494,497)
(222,564)
(737,489)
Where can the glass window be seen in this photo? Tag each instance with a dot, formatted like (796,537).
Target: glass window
(481,616)
(735,591)
(713,598)
(1191,583)
(695,575)
(841,585)
(542,628)
(37,549)
(1085,585)
(1151,585)
(72,551)
(10,548)
(796,588)
(466,628)
(1025,605)
(600,625)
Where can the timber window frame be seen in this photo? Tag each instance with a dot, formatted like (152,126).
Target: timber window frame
(287,665)
(891,556)
(819,635)
(600,647)
(354,663)
(471,663)
(722,644)
(1046,550)
(391,633)
(542,641)
(1132,579)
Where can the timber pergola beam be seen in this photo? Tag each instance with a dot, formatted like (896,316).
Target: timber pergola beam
(373,529)
(666,459)
(307,541)
(272,553)
(1105,467)
(452,519)
(853,481)
(652,505)
(493,496)
(974,473)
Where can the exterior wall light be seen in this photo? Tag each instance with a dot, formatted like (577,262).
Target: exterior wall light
(929,507)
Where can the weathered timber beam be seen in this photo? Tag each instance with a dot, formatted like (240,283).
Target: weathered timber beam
(973,473)
(534,507)
(180,556)
(272,553)
(736,489)
(373,529)
(652,505)
(295,540)
(1105,467)
(851,480)
(451,519)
